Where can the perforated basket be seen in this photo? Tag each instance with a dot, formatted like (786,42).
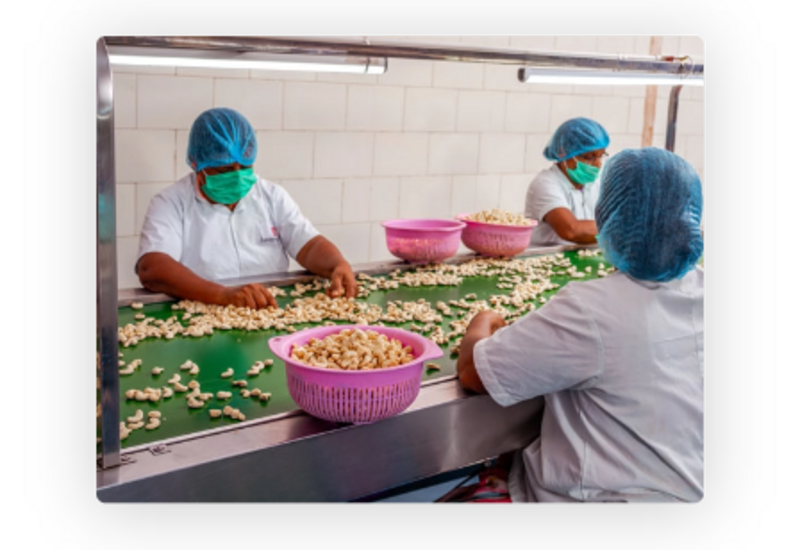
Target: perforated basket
(359,397)
(421,241)
(490,239)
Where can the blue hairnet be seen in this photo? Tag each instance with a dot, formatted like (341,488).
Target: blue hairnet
(575,137)
(219,137)
(648,214)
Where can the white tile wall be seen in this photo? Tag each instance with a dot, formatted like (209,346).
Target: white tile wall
(384,199)
(671,45)
(430,110)
(690,117)
(347,78)
(260,101)
(612,113)
(594,90)
(407,72)
(534,153)
(125,100)
(513,189)
(285,155)
(630,91)
(528,112)
(577,44)
(375,108)
(426,139)
(171,101)
(616,44)
(481,111)
(319,200)
(144,155)
(636,116)
(425,197)
(296,76)
(399,154)
(356,202)
(181,145)
(126,210)
(501,153)
(127,248)
(694,92)
(314,106)
(213,73)
(340,154)
(487,192)
(457,75)
(694,151)
(464,189)
(694,46)
(504,77)
(453,154)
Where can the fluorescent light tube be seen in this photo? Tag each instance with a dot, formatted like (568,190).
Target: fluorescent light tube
(535,75)
(221,59)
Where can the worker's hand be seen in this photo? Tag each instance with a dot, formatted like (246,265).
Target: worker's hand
(253,296)
(343,280)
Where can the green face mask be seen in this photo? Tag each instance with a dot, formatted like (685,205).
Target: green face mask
(583,173)
(229,187)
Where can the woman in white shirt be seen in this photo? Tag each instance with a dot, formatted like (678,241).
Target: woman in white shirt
(619,360)
(222,221)
(562,198)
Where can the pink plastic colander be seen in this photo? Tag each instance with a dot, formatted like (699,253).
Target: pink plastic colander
(359,397)
(420,241)
(491,239)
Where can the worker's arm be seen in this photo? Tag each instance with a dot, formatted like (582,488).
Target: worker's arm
(158,272)
(321,257)
(483,325)
(569,228)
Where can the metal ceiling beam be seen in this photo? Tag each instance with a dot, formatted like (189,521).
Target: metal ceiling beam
(431,52)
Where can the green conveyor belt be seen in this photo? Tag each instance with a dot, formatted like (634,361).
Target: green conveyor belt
(240,349)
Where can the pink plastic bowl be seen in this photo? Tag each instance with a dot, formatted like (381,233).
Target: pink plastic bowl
(490,239)
(423,240)
(359,397)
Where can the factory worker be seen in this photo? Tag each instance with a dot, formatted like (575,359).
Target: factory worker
(619,360)
(562,198)
(222,221)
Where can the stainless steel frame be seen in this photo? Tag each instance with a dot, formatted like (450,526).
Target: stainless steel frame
(672,117)
(107,263)
(304,459)
(430,52)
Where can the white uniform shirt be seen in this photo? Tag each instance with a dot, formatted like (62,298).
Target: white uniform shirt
(218,244)
(551,189)
(620,362)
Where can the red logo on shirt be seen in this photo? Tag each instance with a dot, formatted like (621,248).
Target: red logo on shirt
(274,232)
